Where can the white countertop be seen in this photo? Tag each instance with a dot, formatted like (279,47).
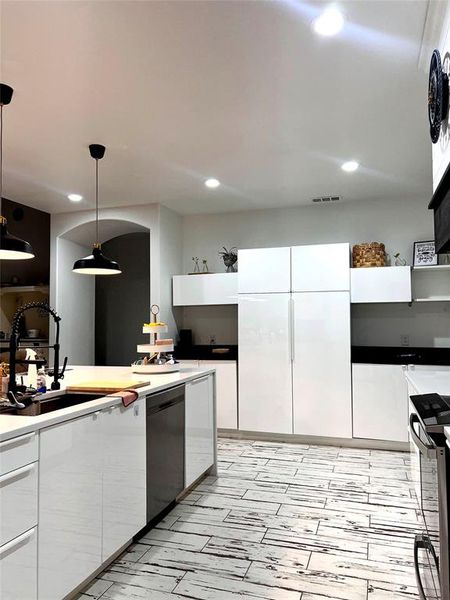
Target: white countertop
(13,425)
(430,382)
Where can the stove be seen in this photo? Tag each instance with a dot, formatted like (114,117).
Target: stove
(430,470)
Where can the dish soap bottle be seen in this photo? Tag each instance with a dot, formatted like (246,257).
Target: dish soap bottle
(41,381)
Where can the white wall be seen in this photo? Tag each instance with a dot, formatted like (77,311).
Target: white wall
(427,324)
(75,306)
(396,223)
(165,257)
(207,321)
(171,248)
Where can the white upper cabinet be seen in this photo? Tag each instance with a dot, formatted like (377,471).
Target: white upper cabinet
(264,270)
(211,288)
(321,268)
(381,284)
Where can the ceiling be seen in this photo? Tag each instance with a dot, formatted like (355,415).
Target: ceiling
(243,91)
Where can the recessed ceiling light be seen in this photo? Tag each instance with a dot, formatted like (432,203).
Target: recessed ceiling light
(212,183)
(350,166)
(75,197)
(329,23)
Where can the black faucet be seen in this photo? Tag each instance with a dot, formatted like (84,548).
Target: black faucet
(14,343)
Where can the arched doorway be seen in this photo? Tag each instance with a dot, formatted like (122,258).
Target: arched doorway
(101,320)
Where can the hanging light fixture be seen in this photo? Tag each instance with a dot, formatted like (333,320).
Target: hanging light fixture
(96,263)
(11,247)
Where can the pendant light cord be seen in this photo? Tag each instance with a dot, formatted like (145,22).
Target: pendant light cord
(1,158)
(96,201)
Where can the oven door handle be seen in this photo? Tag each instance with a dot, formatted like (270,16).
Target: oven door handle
(428,450)
(422,541)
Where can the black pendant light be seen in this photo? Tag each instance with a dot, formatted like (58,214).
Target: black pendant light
(96,263)
(11,247)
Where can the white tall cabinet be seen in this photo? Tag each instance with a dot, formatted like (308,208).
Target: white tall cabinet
(321,366)
(294,340)
(265,389)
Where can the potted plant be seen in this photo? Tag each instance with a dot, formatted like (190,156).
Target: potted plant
(229,258)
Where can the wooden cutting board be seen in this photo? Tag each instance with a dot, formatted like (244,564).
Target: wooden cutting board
(106,386)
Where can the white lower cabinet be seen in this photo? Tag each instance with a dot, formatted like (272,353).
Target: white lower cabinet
(188,363)
(18,451)
(200,434)
(92,494)
(18,501)
(226,391)
(124,475)
(380,402)
(18,571)
(70,505)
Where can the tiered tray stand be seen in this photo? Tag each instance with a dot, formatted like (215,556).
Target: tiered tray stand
(154,331)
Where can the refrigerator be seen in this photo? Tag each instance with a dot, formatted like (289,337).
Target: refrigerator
(294,341)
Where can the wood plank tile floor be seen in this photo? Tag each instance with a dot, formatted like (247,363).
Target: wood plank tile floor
(279,522)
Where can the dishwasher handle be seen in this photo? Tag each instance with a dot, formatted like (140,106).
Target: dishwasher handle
(165,399)
(164,406)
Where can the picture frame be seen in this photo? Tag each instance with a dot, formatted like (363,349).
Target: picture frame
(425,254)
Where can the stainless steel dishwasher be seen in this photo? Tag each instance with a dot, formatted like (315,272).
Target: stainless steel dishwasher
(165,451)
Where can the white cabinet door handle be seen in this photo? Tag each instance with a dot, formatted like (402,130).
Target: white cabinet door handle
(16,473)
(18,541)
(199,380)
(292,327)
(17,440)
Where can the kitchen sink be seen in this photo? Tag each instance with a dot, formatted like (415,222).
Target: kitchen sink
(44,404)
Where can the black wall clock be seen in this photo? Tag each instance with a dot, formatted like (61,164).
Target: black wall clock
(437,96)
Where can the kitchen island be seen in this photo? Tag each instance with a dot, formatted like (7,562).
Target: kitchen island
(12,426)
(80,476)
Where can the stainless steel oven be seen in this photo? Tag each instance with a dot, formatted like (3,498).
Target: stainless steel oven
(430,473)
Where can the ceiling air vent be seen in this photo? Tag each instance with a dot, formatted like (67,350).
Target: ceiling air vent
(327,199)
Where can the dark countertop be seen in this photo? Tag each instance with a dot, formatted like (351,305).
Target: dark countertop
(199,352)
(400,355)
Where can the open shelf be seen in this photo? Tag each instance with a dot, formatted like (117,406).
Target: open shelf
(432,268)
(431,283)
(433,299)
(22,289)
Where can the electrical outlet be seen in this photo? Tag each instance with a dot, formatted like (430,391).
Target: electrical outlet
(404,340)
(212,339)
